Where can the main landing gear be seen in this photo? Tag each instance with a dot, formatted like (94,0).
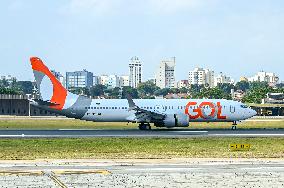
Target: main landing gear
(234,126)
(144,126)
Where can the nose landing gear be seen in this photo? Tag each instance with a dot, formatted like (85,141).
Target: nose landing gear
(234,125)
(144,126)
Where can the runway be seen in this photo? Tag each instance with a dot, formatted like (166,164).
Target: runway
(143,173)
(134,133)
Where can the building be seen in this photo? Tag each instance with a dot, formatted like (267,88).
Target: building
(269,77)
(124,81)
(8,78)
(182,84)
(113,81)
(96,80)
(165,75)
(19,105)
(59,77)
(79,79)
(243,78)
(103,79)
(200,76)
(238,95)
(135,72)
(222,79)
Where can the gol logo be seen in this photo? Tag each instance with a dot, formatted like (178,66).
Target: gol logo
(216,110)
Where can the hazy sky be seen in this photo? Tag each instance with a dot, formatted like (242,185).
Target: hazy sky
(236,37)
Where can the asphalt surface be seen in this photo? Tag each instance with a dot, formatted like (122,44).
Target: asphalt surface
(143,173)
(134,133)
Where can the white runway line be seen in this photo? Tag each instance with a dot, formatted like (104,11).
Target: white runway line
(245,134)
(188,131)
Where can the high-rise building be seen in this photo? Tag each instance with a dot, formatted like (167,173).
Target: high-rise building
(201,76)
(79,79)
(262,76)
(59,77)
(222,79)
(165,76)
(135,72)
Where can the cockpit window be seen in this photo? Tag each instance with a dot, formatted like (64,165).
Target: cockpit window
(244,106)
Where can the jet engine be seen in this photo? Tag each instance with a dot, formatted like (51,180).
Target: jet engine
(174,120)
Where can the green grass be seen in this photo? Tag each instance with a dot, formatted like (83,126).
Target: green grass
(110,148)
(10,123)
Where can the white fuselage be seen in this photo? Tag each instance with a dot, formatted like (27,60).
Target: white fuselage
(116,110)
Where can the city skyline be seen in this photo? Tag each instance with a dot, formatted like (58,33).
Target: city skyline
(239,38)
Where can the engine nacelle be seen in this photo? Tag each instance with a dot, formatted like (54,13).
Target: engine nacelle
(174,120)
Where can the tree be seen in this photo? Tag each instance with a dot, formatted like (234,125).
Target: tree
(183,90)
(25,87)
(242,85)
(113,92)
(211,93)
(131,91)
(4,83)
(226,87)
(97,90)
(9,91)
(147,89)
(80,91)
(163,92)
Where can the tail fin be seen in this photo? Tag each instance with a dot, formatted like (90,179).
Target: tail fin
(50,89)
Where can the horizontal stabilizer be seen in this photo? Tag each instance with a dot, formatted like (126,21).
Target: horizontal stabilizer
(45,103)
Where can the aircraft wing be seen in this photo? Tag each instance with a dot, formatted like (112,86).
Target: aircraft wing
(142,115)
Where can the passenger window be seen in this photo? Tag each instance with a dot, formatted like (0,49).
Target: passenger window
(115,107)
(95,107)
(150,107)
(106,107)
(112,107)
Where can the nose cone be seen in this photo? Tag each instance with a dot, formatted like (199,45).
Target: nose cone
(253,112)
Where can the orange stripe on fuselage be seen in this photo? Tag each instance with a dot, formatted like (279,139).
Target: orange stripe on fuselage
(59,92)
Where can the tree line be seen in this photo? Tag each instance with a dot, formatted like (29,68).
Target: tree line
(254,91)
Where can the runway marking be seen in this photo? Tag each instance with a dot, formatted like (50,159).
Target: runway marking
(56,180)
(265,120)
(188,131)
(245,134)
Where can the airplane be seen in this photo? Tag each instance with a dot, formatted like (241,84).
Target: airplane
(166,113)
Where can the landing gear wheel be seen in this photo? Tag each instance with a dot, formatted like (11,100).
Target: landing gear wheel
(143,126)
(234,126)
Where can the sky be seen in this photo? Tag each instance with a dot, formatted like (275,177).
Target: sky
(238,38)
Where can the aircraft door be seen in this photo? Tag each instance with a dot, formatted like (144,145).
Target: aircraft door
(159,109)
(232,109)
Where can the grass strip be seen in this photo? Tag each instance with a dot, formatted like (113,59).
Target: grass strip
(110,148)
(79,124)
